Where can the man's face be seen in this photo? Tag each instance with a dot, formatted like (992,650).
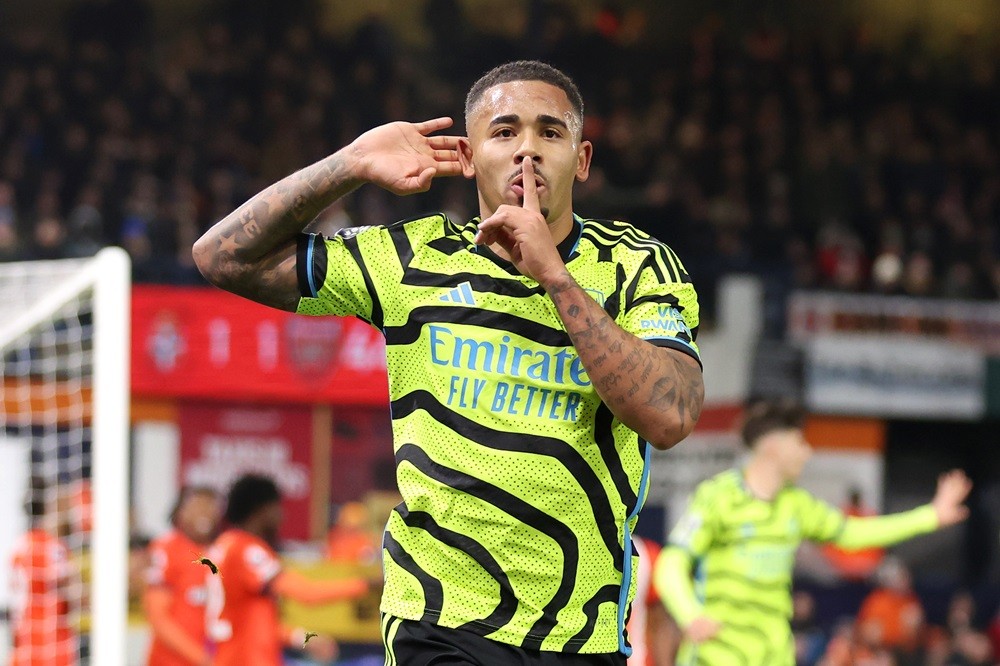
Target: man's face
(792,452)
(273,515)
(519,120)
(199,517)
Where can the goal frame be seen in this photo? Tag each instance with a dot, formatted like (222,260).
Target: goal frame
(108,273)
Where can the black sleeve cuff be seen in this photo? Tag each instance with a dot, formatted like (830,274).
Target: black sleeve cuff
(310,264)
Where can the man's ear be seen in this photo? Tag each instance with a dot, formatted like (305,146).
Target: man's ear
(465,158)
(584,155)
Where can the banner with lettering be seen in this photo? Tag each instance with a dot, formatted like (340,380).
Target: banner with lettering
(221,442)
(206,343)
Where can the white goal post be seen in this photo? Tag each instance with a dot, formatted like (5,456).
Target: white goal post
(64,394)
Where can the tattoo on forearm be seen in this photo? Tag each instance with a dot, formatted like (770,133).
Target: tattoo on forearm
(633,377)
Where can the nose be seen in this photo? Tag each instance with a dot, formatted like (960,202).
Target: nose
(528,150)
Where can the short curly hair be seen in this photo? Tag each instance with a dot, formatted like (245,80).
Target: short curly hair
(524,70)
(248,495)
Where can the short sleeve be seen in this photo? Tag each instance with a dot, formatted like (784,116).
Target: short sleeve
(335,274)
(260,566)
(694,532)
(819,521)
(662,305)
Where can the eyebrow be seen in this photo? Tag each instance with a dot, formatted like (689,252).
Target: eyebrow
(543,118)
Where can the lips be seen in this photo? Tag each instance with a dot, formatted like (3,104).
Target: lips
(517,185)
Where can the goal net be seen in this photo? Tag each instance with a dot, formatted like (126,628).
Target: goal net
(64,340)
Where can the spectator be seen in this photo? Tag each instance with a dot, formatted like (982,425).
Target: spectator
(763,152)
(810,640)
(854,565)
(892,616)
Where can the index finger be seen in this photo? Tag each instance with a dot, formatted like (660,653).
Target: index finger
(529,186)
(433,125)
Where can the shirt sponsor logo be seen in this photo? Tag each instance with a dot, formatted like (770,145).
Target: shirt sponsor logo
(536,367)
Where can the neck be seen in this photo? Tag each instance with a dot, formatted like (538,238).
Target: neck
(253,527)
(763,478)
(195,538)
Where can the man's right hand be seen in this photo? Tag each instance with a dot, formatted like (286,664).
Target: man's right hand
(702,628)
(401,158)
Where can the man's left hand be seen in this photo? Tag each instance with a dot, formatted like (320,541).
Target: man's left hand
(952,489)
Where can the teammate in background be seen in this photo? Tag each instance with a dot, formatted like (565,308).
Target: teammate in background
(740,534)
(855,565)
(42,578)
(242,610)
(174,600)
(530,352)
(651,631)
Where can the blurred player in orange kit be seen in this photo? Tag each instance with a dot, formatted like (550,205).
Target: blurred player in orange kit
(350,539)
(651,631)
(242,611)
(41,575)
(174,599)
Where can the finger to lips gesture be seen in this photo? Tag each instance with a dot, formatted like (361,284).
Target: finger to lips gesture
(522,231)
(403,159)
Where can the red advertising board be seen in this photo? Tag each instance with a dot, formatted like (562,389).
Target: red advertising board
(221,442)
(206,343)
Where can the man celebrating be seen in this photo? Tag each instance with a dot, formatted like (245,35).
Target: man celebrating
(531,355)
(741,532)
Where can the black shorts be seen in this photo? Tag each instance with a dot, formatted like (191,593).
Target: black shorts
(416,643)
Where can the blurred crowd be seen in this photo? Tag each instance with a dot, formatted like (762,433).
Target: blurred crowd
(892,628)
(819,163)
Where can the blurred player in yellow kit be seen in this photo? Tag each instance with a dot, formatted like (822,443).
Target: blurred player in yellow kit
(739,536)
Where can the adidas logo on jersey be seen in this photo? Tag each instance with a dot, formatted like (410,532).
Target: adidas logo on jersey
(460,294)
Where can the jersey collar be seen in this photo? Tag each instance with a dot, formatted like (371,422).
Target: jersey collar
(566,247)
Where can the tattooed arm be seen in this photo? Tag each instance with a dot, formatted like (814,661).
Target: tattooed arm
(656,391)
(251,252)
